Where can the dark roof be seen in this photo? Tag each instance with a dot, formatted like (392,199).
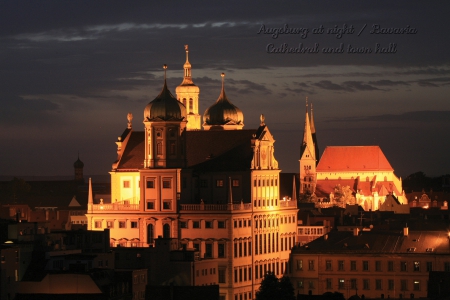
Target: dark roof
(220,149)
(380,242)
(133,155)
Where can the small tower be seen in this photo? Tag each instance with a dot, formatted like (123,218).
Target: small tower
(223,114)
(165,125)
(188,93)
(78,168)
(307,158)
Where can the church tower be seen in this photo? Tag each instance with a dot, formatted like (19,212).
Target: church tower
(78,168)
(187,93)
(308,158)
(165,124)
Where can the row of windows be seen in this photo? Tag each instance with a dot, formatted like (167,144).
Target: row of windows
(150,183)
(242,248)
(277,268)
(264,202)
(367,284)
(310,231)
(204,272)
(151,204)
(242,223)
(111,224)
(219,183)
(241,296)
(269,243)
(242,274)
(197,224)
(208,249)
(265,182)
(378,266)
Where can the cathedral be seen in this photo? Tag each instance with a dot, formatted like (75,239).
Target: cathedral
(214,189)
(345,175)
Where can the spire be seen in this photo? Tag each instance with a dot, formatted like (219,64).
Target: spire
(294,190)
(307,135)
(90,197)
(314,136)
(187,80)
(129,118)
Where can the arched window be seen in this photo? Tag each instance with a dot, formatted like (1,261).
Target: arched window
(166,231)
(191,105)
(150,234)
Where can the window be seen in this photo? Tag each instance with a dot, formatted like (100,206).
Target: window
(353,284)
(390,284)
(159,146)
(167,183)
(235,182)
(222,276)
(221,250)
(219,183)
(447,266)
(403,266)
(150,204)
(150,234)
(328,265)
(353,265)
(366,284)
(390,266)
(221,224)
(203,183)
(126,184)
(311,285)
(183,224)
(167,204)
(109,224)
(172,148)
(166,231)
(416,266)
(299,264)
(300,284)
(341,265)
(196,224)
(98,224)
(403,285)
(208,250)
(329,284)
(365,265)
(311,265)
(341,284)
(378,284)
(151,184)
(416,285)
(429,266)
(378,266)
(208,224)
(122,224)
(134,224)
(196,246)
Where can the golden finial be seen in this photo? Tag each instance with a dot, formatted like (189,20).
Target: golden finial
(165,69)
(129,118)
(262,119)
(186,47)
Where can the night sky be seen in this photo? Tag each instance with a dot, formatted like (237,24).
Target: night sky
(70,71)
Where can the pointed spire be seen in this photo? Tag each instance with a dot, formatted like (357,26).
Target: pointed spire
(313,128)
(307,135)
(90,196)
(187,79)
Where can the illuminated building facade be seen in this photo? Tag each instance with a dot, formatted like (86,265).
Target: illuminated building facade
(364,170)
(378,265)
(215,190)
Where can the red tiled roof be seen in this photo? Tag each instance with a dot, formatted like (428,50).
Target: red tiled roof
(353,158)
(133,155)
(325,187)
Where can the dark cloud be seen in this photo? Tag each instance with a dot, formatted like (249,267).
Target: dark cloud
(427,117)
(328,85)
(346,86)
(19,111)
(385,82)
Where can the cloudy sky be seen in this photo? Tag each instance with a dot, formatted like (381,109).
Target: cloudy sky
(70,71)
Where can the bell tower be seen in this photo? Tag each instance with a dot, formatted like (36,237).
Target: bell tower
(187,93)
(308,160)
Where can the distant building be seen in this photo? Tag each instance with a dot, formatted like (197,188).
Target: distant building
(383,264)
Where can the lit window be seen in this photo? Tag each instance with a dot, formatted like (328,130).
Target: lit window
(416,285)
(219,183)
(235,182)
(416,266)
(110,224)
(341,284)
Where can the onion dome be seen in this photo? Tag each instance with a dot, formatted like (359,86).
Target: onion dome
(78,164)
(223,112)
(165,107)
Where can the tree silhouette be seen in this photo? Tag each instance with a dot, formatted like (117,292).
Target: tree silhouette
(274,288)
